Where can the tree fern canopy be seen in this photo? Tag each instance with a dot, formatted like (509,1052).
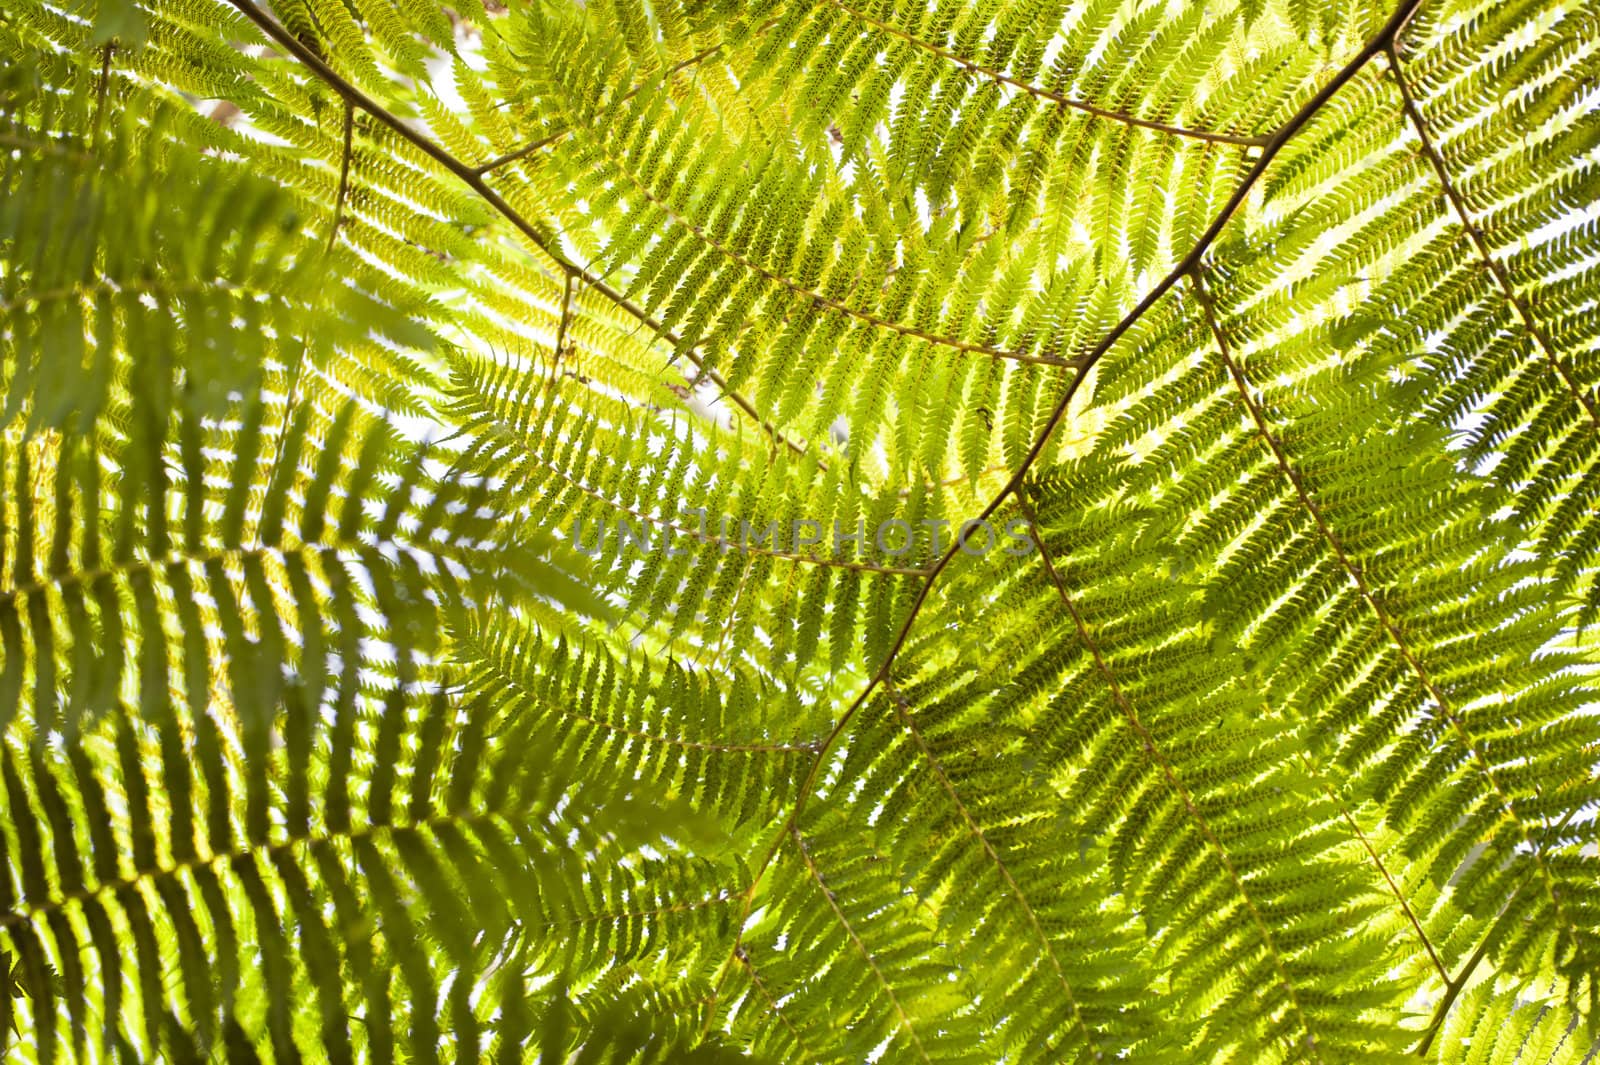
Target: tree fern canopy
(816,530)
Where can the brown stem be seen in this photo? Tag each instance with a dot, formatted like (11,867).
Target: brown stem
(1244,140)
(1386,620)
(777,1011)
(344,177)
(561,330)
(1453,986)
(742,545)
(551,138)
(1168,773)
(816,298)
(901,708)
(1383,870)
(844,922)
(1453,990)
(101,89)
(356,98)
(34,911)
(1481,245)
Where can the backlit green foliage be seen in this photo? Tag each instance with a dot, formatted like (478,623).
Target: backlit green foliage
(1271,329)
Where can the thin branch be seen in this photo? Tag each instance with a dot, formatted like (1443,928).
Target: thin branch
(723,896)
(777,1011)
(951,482)
(155,287)
(561,132)
(1148,740)
(291,397)
(526,150)
(126,567)
(816,298)
(731,622)
(1454,985)
(557,372)
(901,708)
(740,546)
(59,902)
(1386,620)
(708,746)
(87,578)
(1383,870)
(1480,244)
(1243,140)
(101,89)
(468,176)
(1344,812)
(816,875)
(561,330)
(44,147)
(344,177)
